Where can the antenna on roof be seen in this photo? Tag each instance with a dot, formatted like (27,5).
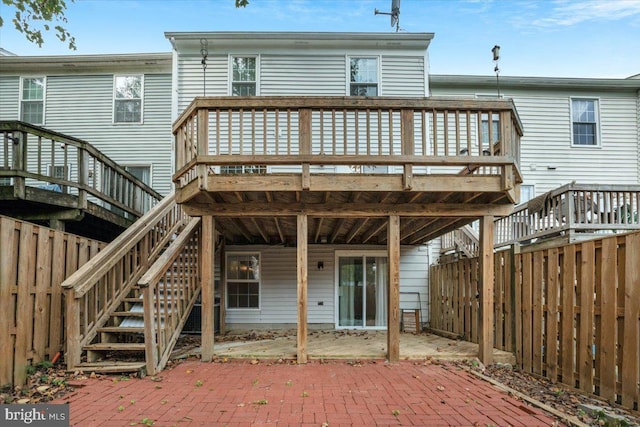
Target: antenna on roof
(496,58)
(395,14)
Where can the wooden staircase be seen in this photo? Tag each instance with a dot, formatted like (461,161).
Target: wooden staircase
(127,306)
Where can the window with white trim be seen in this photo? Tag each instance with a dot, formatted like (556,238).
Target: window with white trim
(584,121)
(244,75)
(32,100)
(243,280)
(527,192)
(363,78)
(127,99)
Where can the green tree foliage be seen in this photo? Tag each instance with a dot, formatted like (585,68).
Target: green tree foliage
(32,17)
(242,3)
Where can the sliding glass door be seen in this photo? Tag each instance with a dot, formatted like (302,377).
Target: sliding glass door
(361,291)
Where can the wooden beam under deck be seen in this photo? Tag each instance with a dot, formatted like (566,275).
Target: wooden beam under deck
(347,182)
(341,210)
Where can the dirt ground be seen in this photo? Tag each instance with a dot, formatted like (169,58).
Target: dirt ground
(47,382)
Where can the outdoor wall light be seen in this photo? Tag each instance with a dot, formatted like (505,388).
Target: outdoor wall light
(320,265)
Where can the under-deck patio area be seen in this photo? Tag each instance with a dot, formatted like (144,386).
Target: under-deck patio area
(344,344)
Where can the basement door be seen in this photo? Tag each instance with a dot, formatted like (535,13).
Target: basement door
(361,291)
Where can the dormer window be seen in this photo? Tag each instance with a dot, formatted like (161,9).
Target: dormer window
(363,76)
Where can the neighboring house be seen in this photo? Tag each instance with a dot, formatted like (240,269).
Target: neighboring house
(121,104)
(576,129)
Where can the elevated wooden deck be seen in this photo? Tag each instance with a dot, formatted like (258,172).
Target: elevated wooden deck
(347,163)
(52,178)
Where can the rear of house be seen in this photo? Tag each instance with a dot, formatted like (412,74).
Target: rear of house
(347,283)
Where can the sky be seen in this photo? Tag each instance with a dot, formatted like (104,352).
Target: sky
(554,38)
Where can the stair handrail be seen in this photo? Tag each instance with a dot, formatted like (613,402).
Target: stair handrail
(100,285)
(162,326)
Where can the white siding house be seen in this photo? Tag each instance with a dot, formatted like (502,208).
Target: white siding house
(79,98)
(304,64)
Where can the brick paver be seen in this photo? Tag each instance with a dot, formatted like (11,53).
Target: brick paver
(338,393)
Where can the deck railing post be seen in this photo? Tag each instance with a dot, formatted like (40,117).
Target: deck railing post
(304,135)
(407,141)
(203,146)
(83,177)
(19,164)
(150,328)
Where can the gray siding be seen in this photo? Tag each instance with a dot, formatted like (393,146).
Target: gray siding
(287,75)
(9,97)
(291,73)
(191,79)
(82,106)
(403,76)
(278,294)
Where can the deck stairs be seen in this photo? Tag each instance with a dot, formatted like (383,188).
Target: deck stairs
(138,319)
(119,345)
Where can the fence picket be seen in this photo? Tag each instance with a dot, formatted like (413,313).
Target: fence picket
(576,312)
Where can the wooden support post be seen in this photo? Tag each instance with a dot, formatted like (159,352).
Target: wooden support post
(485,340)
(393,307)
(302,287)
(223,288)
(206,276)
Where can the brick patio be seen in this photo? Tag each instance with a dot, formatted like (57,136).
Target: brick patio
(338,393)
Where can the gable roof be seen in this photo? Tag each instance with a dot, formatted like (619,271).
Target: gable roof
(190,41)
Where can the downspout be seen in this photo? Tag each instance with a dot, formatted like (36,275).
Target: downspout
(174,99)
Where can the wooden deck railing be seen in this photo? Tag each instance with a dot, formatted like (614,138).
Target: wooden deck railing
(34,260)
(97,288)
(32,156)
(296,134)
(572,208)
(169,289)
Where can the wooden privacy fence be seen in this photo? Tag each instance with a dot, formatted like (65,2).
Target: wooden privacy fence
(571,313)
(34,261)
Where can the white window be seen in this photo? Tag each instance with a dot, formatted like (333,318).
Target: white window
(32,100)
(527,192)
(494,125)
(243,280)
(127,99)
(584,121)
(244,76)
(143,173)
(363,76)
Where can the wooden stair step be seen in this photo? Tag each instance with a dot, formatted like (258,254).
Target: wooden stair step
(121,329)
(130,299)
(114,346)
(107,367)
(128,314)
